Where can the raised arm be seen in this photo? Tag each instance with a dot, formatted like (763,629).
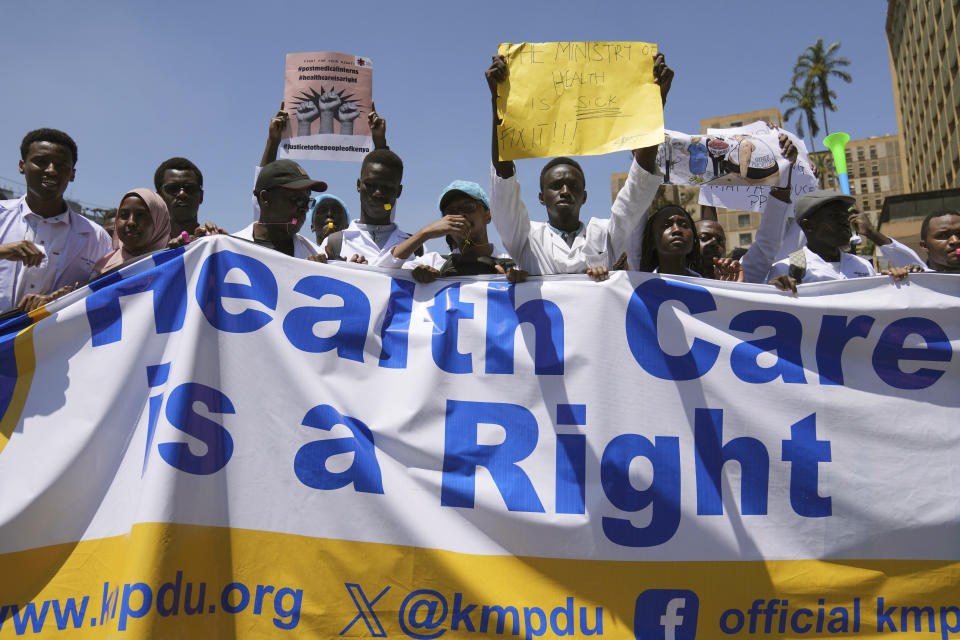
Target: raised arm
(496,74)
(663,77)
(761,255)
(899,254)
(378,128)
(630,210)
(454,225)
(507,209)
(274,133)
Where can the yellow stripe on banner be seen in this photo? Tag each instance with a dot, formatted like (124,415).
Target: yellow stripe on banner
(181,581)
(26,363)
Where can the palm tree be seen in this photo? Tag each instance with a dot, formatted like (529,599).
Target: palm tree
(821,163)
(804,101)
(818,65)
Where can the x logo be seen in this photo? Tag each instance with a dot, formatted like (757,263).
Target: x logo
(365,610)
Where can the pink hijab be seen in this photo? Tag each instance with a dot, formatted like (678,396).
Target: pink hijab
(161,231)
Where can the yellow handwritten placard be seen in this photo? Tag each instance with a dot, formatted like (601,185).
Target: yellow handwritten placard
(578,98)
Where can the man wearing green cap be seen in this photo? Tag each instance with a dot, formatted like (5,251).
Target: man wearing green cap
(283,192)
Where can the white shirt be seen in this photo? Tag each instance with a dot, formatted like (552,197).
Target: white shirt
(71,244)
(357,240)
(302,247)
(818,269)
(538,249)
(429,259)
(900,255)
(437,260)
(765,249)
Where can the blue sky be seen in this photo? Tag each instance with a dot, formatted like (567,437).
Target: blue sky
(135,83)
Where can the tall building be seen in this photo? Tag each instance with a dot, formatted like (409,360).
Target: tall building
(924,49)
(739,119)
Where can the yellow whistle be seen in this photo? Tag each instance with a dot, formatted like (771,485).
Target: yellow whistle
(330,226)
(388,206)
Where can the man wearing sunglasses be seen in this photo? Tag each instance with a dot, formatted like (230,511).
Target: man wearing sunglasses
(283,191)
(180,184)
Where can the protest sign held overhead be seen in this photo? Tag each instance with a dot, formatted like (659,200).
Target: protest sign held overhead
(578,98)
(736,167)
(724,191)
(328,96)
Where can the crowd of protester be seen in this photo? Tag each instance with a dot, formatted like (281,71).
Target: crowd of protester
(47,249)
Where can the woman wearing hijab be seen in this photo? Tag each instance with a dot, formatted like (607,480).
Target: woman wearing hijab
(143,226)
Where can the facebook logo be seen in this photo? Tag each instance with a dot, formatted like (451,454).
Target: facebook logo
(666,614)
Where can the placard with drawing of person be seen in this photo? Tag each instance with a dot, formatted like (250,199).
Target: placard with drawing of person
(743,185)
(733,167)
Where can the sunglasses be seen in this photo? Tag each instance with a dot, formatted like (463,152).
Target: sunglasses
(174,188)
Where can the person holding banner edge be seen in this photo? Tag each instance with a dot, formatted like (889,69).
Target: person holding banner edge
(142,228)
(671,246)
(939,235)
(825,218)
(565,244)
(180,183)
(44,244)
(471,252)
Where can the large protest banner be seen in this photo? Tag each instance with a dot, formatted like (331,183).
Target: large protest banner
(578,98)
(328,96)
(223,442)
